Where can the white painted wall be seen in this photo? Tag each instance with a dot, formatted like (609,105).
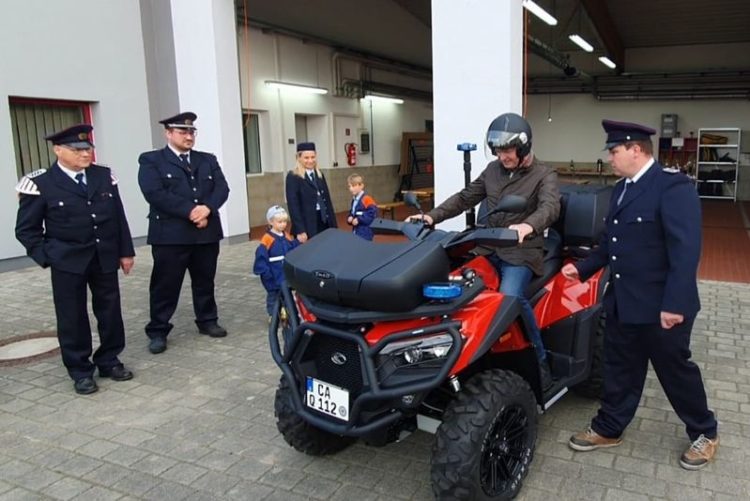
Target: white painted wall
(208,84)
(477,65)
(85,50)
(277,57)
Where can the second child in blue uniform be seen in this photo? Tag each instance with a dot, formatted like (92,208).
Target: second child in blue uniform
(363,209)
(269,256)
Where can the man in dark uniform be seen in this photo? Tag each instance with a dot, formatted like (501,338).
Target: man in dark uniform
(185,189)
(652,244)
(71,218)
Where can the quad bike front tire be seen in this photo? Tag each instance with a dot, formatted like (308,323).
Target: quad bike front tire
(485,444)
(299,433)
(592,387)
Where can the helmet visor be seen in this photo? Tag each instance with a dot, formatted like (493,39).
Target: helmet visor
(503,139)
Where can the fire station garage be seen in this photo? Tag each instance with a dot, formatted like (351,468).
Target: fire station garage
(387,89)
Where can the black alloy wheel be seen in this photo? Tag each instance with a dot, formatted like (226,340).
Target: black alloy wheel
(505,451)
(484,447)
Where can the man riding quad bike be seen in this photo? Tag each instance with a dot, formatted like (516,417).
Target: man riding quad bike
(380,339)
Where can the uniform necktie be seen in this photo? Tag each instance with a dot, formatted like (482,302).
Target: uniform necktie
(624,189)
(81,182)
(320,203)
(185,159)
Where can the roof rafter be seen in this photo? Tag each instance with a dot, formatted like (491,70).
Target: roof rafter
(607,31)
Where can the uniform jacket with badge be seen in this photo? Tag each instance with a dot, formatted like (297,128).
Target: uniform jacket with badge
(63,227)
(173,190)
(537,183)
(269,258)
(652,243)
(302,198)
(365,211)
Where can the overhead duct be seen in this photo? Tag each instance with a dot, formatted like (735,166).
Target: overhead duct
(651,86)
(629,87)
(554,57)
(360,88)
(356,88)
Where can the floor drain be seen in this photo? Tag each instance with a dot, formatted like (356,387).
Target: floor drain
(28,348)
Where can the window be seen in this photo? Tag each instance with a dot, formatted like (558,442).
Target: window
(32,119)
(251,134)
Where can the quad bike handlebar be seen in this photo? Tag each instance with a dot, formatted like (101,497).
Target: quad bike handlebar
(472,236)
(467,239)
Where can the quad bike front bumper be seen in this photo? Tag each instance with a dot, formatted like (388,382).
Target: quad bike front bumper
(316,358)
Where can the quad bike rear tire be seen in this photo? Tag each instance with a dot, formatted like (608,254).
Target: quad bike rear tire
(485,444)
(299,433)
(593,386)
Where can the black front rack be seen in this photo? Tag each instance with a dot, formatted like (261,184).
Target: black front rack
(299,335)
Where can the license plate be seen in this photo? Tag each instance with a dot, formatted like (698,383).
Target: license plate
(328,399)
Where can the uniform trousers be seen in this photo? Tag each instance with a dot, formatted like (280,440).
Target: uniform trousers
(73,328)
(627,351)
(170,264)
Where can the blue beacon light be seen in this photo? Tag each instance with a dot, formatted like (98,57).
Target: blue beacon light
(441,291)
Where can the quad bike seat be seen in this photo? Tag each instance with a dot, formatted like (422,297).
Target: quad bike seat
(343,269)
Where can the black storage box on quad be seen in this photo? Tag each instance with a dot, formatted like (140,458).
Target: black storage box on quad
(344,269)
(583,209)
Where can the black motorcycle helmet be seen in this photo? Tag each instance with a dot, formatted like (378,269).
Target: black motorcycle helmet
(510,131)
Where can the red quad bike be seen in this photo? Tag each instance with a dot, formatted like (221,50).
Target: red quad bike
(375,340)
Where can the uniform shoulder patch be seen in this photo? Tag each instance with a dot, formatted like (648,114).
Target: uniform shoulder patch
(670,170)
(27,186)
(267,240)
(36,173)
(115,179)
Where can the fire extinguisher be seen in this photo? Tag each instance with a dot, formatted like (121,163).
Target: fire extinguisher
(351,153)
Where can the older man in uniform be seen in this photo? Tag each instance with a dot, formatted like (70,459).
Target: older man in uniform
(71,219)
(652,245)
(185,189)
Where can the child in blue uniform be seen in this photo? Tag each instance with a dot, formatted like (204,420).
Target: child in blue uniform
(363,209)
(269,256)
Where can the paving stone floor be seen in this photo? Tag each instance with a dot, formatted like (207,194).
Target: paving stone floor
(197,421)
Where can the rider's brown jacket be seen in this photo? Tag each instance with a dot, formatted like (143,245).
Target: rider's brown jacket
(537,182)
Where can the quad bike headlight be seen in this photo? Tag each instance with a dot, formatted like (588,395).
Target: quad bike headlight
(418,351)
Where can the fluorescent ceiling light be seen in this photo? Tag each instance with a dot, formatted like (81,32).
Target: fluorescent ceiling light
(542,14)
(296,87)
(579,41)
(383,99)
(607,62)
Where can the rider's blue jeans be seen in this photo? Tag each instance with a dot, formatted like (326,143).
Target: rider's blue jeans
(513,282)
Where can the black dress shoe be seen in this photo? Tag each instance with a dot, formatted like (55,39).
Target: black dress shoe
(157,345)
(214,330)
(85,386)
(117,372)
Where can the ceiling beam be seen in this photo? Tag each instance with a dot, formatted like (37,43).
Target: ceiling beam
(599,14)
